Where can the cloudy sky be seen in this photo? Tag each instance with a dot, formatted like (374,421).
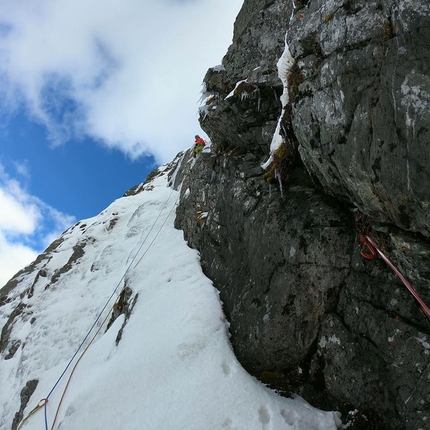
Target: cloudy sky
(93,95)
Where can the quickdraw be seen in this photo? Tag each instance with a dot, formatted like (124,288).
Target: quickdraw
(40,405)
(370,250)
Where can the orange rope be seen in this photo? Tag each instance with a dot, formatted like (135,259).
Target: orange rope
(78,360)
(101,325)
(367,242)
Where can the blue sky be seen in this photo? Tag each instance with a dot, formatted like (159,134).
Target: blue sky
(93,96)
(80,177)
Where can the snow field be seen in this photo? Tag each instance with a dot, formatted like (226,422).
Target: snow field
(174,367)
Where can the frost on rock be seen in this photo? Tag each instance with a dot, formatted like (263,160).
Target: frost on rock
(219,68)
(207,101)
(244,89)
(233,92)
(284,66)
(208,96)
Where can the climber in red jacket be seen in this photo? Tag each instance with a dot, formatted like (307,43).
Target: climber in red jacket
(199,144)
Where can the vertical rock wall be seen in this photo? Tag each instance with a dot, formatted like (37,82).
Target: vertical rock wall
(363,114)
(308,314)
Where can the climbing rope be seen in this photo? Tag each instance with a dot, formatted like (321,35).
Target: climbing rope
(107,315)
(44,402)
(74,368)
(366,242)
(155,237)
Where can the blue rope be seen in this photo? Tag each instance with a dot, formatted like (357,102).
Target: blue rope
(46,417)
(101,312)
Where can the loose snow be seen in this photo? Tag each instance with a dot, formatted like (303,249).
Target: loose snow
(174,367)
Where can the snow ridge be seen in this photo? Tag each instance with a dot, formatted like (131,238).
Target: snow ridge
(173,368)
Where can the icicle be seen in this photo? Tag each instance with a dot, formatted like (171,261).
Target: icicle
(292,12)
(278,176)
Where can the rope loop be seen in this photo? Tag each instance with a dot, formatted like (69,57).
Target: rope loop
(370,250)
(364,243)
(42,403)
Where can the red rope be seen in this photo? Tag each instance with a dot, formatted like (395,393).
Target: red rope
(372,248)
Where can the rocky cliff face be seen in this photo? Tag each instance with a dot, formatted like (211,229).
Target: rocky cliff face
(344,120)
(307,312)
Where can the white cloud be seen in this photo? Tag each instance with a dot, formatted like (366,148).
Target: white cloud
(130,70)
(22,168)
(27,226)
(17,216)
(124,72)
(13,257)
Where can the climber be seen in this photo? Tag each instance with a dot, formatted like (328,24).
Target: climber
(199,144)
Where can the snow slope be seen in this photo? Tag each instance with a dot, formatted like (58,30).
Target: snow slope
(173,368)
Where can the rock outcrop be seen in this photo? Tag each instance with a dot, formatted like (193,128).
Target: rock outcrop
(363,114)
(342,130)
(308,314)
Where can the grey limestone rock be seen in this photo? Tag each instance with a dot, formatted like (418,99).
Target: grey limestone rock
(308,314)
(362,119)
(247,114)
